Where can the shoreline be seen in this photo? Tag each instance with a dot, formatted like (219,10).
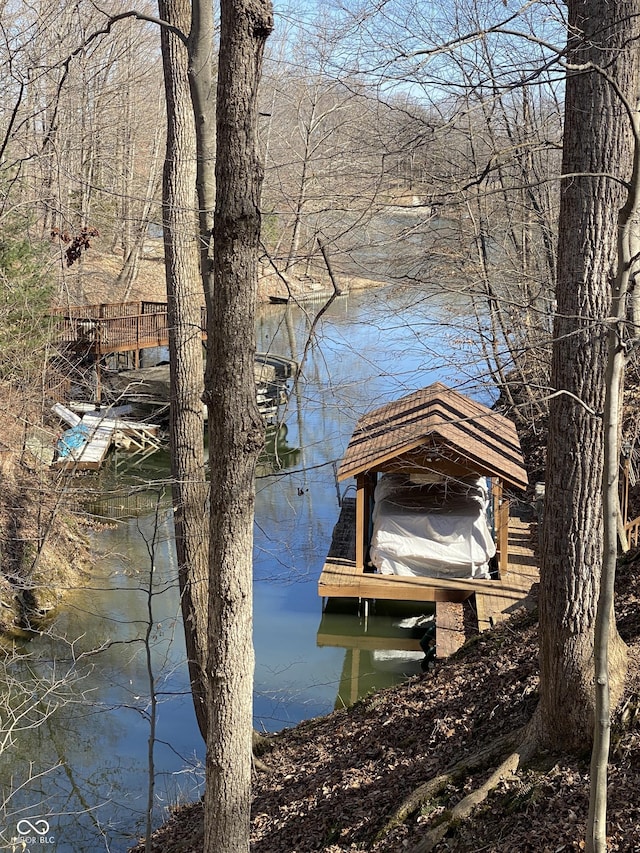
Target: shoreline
(94,281)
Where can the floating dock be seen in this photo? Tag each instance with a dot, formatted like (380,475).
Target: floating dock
(85,445)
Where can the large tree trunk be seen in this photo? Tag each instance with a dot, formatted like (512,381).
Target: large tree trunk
(185,296)
(236,431)
(618,337)
(596,157)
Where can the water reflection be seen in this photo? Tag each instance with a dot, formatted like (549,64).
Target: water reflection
(81,763)
(379,346)
(78,757)
(381,648)
(277,454)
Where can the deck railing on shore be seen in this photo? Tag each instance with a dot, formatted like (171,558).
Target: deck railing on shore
(121,327)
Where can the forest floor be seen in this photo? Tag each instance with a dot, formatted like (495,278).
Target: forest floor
(333,783)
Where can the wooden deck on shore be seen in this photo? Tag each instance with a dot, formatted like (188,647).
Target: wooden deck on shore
(118,327)
(495,600)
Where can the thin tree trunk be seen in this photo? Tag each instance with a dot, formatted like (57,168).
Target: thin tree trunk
(131,265)
(627,265)
(301,199)
(202,85)
(185,296)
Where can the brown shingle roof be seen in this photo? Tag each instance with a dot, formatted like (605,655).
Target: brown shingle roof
(437,417)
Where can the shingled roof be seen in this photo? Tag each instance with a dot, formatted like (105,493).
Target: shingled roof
(442,420)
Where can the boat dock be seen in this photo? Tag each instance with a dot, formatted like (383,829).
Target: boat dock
(495,599)
(306,297)
(119,332)
(129,327)
(116,327)
(431,519)
(492,601)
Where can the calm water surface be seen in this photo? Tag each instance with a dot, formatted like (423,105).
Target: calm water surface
(79,700)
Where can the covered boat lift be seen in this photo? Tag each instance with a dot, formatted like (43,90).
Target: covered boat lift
(434,434)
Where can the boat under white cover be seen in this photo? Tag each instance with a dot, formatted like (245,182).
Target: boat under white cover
(431,529)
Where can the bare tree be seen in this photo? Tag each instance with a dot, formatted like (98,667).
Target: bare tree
(235,426)
(185,296)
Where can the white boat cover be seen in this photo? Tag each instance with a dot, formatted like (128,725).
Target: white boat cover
(431,530)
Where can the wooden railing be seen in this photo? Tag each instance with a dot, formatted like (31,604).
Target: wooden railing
(111,309)
(632,529)
(121,327)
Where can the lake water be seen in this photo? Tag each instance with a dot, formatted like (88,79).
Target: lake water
(74,767)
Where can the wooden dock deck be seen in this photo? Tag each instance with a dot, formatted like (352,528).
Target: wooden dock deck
(110,335)
(495,600)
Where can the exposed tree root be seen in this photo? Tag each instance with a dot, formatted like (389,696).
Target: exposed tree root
(259,765)
(512,750)
(260,745)
(425,793)
(515,760)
